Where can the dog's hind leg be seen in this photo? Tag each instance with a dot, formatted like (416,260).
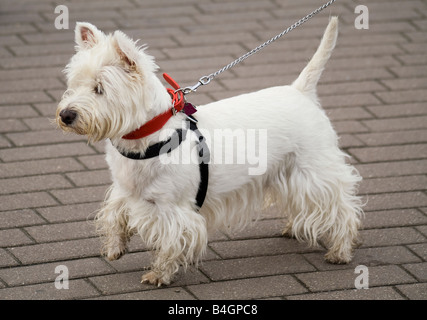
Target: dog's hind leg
(325,207)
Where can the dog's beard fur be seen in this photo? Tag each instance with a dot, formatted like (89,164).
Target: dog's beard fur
(307,176)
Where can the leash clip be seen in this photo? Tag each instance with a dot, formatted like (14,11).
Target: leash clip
(202,81)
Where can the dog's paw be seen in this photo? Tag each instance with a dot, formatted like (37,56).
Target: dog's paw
(335,258)
(153,278)
(115,253)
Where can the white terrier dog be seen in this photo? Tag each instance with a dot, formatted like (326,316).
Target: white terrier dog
(113,90)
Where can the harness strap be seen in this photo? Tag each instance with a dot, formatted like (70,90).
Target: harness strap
(204,156)
(172,143)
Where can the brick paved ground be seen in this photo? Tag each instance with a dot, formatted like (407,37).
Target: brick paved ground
(374,90)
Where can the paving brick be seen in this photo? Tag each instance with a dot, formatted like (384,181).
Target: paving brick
(218,270)
(41,123)
(10,40)
(6,260)
(422,229)
(11,125)
(46,109)
(18,111)
(88,178)
(349,140)
(414,83)
(42,49)
(131,281)
(25,200)
(417,291)
(422,24)
(262,287)
(390,153)
(48,151)
(59,60)
(20,17)
(36,183)
(62,231)
(256,83)
(35,167)
(387,27)
(39,273)
(262,228)
(19,218)
(30,73)
(234,6)
(264,246)
(369,257)
(333,76)
(43,137)
(348,126)
(419,249)
(159,23)
(363,62)
(393,184)
(393,218)
(390,237)
(387,15)
(16,28)
(345,279)
(348,100)
(350,113)
(396,201)
(373,53)
(398,137)
(78,289)
(79,195)
(160,294)
(77,212)
(94,162)
(132,261)
(13,237)
(202,64)
(30,85)
(411,59)
(405,109)
(136,244)
(272,69)
(403,96)
(4,143)
(410,71)
(377,293)
(351,40)
(418,270)
(204,51)
(233,17)
(57,251)
(387,169)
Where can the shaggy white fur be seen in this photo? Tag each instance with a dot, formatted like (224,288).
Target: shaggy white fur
(113,90)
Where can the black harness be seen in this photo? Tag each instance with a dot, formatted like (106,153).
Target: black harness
(172,143)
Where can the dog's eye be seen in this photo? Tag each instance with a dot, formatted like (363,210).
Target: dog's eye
(98,89)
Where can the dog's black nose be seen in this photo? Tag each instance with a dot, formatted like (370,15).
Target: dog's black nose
(68,116)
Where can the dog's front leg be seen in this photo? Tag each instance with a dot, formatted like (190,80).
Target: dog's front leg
(111,224)
(178,237)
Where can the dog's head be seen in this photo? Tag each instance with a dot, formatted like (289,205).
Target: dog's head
(110,85)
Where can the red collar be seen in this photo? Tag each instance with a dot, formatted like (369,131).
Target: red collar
(159,121)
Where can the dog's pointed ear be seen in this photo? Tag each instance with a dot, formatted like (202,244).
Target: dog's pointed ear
(87,35)
(126,49)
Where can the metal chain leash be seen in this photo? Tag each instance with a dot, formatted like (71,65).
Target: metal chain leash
(207,79)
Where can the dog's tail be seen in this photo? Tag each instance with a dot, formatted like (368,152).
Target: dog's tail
(310,75)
